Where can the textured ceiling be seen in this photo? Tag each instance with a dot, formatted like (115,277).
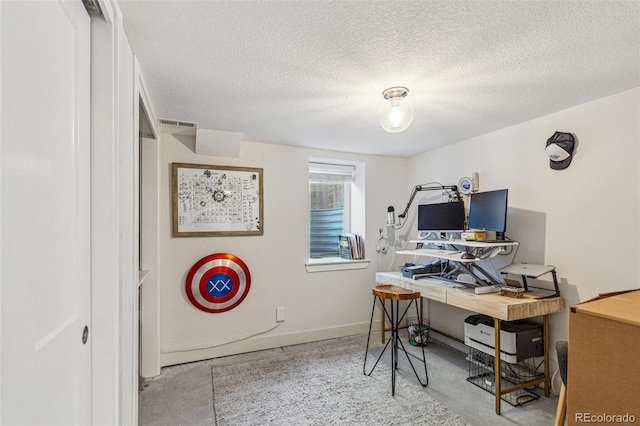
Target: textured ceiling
(311,73)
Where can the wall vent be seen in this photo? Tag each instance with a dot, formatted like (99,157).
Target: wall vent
(177,127)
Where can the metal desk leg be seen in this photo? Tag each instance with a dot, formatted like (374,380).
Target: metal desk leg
(394,350)
(496,363)
(382,324)
(545,330)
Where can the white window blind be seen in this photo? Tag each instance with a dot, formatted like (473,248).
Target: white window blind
(325,172)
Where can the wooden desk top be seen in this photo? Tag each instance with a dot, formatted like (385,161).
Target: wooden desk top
(492,304)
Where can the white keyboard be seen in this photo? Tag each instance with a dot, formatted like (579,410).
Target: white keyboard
(446,283)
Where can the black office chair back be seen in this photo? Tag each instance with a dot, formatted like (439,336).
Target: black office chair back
(562,348)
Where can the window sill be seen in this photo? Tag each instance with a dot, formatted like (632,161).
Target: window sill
(335,264)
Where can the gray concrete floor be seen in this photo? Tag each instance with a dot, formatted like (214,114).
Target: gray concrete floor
(190,384)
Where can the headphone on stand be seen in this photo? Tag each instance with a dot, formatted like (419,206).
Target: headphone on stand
(379,248)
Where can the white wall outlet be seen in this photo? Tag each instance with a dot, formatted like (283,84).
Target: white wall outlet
(279,314)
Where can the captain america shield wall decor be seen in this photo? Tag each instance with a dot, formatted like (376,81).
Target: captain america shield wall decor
(218,283)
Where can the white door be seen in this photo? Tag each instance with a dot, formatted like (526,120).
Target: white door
(44,212)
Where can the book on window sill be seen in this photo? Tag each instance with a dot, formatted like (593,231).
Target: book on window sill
(345,247)
(351,246)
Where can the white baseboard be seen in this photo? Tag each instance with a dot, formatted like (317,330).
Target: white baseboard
(267,341)
(263,342)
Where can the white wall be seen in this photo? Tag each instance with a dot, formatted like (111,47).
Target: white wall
(318,305)
(584,220)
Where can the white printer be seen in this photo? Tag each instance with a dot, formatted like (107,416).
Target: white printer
(519,339)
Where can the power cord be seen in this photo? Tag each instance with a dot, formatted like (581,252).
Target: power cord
(195,348)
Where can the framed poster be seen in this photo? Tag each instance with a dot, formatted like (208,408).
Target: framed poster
(211,201)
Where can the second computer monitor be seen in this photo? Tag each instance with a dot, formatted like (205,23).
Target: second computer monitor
(488,212)
(441,217)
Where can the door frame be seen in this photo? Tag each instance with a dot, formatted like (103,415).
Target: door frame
(105,251)
(116,92)
(149,232)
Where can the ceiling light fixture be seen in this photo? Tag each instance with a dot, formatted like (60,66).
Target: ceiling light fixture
(396,113)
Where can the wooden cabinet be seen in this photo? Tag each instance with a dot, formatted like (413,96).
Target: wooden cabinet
(604,360)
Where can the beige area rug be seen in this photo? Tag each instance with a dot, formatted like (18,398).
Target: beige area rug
(321,385)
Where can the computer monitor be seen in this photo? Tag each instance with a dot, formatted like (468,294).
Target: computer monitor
(488,212)
(441,217)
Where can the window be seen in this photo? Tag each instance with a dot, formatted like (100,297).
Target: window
(329,207)
(336,207)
